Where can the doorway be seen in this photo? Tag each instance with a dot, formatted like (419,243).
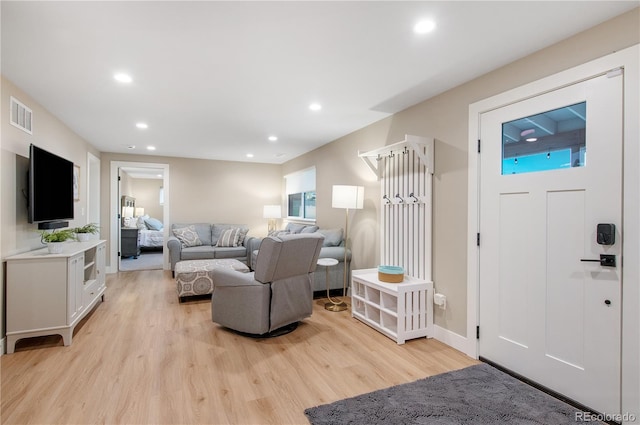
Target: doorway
(551,184)
(625,62)
(142,224)
(146,188)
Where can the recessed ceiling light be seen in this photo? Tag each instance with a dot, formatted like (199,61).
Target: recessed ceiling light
(315,106)
(131,147)
(249,155)
(151,148)
(273,138)
(142,125)
(123,78)
(532,139)
(424,27)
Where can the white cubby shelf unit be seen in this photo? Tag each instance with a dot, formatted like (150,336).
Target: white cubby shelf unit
(400,311)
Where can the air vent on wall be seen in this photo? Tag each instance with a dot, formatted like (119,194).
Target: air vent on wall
(20,115)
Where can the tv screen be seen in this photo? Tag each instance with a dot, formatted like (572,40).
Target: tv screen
(50,186)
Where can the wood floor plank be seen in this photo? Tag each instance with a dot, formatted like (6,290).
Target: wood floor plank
(142,357)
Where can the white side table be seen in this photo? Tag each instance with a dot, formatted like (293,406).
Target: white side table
(333,304)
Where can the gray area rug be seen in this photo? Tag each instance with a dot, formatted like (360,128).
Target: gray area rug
(478,394)
(151,260)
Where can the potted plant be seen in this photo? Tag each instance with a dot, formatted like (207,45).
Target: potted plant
(82,233)
(55,238)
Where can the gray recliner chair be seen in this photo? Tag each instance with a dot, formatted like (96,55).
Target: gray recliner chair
(277,295)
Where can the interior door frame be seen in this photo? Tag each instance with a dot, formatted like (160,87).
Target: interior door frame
(93,188)
(114,210)
(629,60)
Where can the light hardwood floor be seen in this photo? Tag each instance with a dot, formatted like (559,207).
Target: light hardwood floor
(142,358)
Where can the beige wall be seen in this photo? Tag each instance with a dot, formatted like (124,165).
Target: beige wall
(147,194)
(206,191)
(49,133)
(126,188)
(445,118)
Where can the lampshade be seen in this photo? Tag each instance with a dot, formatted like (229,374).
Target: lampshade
(127,212)
(351,197)
(139,212)
(272,211)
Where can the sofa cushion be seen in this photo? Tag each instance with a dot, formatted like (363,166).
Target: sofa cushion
(278,232)
(202,229)
(218,229)
(201,252)
(294,227)
(336,252)
(332,237)
(229,238)
(230,252)
(187,236)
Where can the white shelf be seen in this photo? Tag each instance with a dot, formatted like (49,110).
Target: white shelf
(50,293)
(423,146)
(400,311)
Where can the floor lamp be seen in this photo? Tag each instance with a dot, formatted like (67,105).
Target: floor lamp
(347,197)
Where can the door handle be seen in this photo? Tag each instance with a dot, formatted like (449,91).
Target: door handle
(606,260)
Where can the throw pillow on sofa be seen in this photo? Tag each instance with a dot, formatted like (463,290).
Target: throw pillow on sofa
(229,238)
(300,228)
(278,233)
(187,236)
(332,237)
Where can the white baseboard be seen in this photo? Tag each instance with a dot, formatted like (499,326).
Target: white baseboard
(3,346)
(452,339)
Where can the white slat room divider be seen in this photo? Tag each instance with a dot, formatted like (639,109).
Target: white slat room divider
(405,171)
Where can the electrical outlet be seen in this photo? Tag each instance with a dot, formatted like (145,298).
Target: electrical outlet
(440,300)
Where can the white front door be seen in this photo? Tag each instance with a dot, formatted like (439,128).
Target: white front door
(544,312)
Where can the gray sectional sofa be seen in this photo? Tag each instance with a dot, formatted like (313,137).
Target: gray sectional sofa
(204,241)
(333,247)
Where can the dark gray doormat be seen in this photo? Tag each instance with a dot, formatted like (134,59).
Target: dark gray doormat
(478,394)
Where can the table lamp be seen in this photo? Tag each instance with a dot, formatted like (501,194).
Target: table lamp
(272,212)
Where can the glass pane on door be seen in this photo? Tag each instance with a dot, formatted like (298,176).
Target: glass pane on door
(547,141)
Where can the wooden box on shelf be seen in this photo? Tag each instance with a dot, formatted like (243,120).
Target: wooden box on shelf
(400,311)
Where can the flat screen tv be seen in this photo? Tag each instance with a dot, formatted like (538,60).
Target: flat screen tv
(50,188)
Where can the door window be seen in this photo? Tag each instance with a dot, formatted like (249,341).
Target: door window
(548,141)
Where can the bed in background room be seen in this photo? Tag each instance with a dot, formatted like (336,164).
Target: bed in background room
(150,229)
(151,238)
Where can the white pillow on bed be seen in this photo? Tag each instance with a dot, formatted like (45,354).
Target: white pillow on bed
(141,224)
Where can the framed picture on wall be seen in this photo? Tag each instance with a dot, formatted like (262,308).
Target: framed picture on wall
(76,182)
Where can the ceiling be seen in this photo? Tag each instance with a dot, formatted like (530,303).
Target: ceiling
(215,79)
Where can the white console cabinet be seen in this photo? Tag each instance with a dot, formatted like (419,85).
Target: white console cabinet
(49,294)
(400,311)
